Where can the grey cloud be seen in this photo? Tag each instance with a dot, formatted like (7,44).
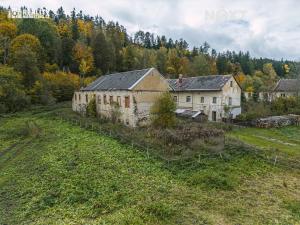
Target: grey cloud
(266,28)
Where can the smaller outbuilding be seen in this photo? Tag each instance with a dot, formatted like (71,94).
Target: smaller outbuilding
(287,88)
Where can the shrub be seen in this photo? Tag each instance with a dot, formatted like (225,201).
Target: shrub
(31,129)
(115,112)
(163,111)
(91,109)
(12,93)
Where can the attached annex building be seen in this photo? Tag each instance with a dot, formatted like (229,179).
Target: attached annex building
(208,94)
(134,92)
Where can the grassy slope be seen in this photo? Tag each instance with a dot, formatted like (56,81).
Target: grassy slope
(286,139)
(72,176)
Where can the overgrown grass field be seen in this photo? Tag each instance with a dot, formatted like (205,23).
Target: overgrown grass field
(53,172)
(285,139)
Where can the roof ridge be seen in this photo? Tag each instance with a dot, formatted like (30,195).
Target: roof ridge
(125,72)
(215,75)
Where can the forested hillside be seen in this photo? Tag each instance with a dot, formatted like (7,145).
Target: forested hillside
(42,60)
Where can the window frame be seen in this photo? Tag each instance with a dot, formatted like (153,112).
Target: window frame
(202,99)
(188,99)
(214,101)
(111,99)
(119,100)
(127,101)
(175,98)
(230,101)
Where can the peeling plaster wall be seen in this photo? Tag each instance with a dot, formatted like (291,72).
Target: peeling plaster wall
(141,99)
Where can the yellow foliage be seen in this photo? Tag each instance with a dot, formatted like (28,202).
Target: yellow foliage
(61,78)
(89,80)
(3,16)
(26,40)
(84,57)
(8,29)
(85,27)
(240,78)
(64,30)
(250,89)
(286,68)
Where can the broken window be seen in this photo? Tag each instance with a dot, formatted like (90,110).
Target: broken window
(119,100)
(127,102)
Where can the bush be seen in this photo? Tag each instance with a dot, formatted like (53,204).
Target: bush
(12,93)
(163,111)
(115,112)
(91,109)
(31,129)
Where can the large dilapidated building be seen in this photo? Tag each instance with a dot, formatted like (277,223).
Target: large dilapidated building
(130,93)
(133,93)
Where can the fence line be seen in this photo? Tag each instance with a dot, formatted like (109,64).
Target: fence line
(275,160)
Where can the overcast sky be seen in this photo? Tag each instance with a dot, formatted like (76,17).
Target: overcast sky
(265,28)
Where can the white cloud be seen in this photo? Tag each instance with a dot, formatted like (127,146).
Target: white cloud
(265,28)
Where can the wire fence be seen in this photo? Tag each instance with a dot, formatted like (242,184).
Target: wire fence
(237,147)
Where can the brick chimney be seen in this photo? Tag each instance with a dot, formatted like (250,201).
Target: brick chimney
(180,78)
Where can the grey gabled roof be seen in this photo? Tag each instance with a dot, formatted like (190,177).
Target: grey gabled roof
(201,83)
(117,81)
(288,85)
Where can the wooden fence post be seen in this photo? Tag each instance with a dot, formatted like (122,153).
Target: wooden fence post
(275,160)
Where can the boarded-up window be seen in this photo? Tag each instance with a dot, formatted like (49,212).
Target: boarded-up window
(111,100)
(175,98)
(99,99)
(127,102)
(231,83)
(79,97)
(104,99)
(119,100)
(86,98)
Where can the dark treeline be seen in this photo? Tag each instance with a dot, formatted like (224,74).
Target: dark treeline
(78,43)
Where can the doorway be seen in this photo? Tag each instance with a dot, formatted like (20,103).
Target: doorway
(214,116)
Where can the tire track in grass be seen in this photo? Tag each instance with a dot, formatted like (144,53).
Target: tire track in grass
(15,149)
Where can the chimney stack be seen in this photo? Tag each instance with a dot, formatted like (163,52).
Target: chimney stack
(180,79)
